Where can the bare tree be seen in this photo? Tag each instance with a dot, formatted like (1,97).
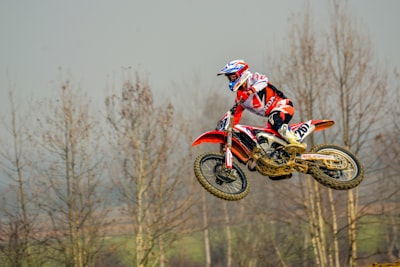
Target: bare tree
(70,171)
(387,170)
(360,88)
(19,215)
(151,161)
(338,68)
(303,72)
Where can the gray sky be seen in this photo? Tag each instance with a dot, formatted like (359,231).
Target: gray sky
(169,41)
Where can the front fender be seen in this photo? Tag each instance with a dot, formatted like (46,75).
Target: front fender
(218,137)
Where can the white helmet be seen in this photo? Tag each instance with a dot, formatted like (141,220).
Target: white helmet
(240,69)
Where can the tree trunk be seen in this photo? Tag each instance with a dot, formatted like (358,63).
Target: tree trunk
(336,262)
(140,242)
(310,210)
(22,191)
(207,250)
(321,226)
(228,236)
(351,215)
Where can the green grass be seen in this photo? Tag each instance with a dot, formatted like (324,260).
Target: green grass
(190,248)
(372,234)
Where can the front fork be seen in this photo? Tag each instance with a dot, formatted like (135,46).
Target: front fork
(228,158)
(226,174)
(228,145)
(228,150)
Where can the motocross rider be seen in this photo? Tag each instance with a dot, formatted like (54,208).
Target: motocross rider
(260,97)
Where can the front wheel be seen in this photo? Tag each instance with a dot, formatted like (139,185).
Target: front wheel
(343,173)
(211,173)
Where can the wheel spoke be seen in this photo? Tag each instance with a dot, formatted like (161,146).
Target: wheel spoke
(209,173)
(344,172)
(346,167)
(212,175)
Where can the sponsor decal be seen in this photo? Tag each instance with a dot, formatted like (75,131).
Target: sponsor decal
(317,156)
(269,103)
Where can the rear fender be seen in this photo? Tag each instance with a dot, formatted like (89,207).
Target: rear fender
(318,124)
(322,124)
(218,137)
(304,129)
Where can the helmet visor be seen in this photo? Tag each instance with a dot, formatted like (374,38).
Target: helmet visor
(231,77)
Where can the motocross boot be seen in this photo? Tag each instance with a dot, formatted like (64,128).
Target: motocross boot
(289,135)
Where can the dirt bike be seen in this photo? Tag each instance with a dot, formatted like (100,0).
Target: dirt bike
(264,150)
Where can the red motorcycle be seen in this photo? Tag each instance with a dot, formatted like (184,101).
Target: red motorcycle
(265,151)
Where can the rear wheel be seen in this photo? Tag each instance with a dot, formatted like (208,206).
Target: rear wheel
(211,173)
(343,173)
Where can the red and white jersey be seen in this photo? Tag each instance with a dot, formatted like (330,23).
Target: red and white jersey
(258,81)
(261,101)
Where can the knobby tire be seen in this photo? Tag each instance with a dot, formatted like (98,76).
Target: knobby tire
(320,174)
(217,190)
